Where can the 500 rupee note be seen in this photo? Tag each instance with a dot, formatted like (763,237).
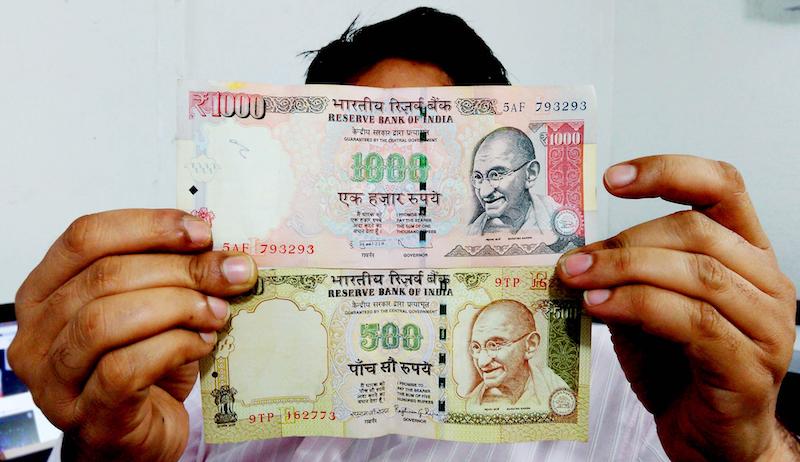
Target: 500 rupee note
(471,354)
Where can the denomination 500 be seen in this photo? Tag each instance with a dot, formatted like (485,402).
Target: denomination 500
(374,169)
(389,337)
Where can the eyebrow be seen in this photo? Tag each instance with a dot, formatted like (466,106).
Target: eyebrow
(495,339)
(496,167)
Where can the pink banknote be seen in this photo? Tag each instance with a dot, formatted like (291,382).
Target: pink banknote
(356,177)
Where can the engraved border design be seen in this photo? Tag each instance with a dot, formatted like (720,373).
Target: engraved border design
(295,104)
(307,282)
(522,418)
(563,244)
(471,280)
(476,106)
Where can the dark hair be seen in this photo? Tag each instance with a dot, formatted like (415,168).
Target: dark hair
(423,34)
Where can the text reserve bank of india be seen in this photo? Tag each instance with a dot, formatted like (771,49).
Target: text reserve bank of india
(406,239)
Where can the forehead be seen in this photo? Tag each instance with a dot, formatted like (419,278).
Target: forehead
(399,73)
(496,153)
(494,325)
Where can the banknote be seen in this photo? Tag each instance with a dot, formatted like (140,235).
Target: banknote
(471,354)
(338,176)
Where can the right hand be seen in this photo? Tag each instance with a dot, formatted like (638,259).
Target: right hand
(112,323)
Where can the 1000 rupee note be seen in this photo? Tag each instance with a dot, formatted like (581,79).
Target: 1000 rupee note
(355,177)
(473,354)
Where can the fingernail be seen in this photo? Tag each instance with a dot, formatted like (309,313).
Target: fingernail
(620,175)
(596,297)
(237,270)
(219,307)
(198,230)
(576,264)
(209,337)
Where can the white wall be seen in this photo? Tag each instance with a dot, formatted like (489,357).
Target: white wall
(91,85)
(80,131)
(719,79)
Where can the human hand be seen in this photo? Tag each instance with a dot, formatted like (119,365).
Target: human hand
(702,319)
(112,323)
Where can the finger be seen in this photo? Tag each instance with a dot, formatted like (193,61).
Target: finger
(158,430)
(693,275)
(92,237)
(711,187)
(179,382)
(691,231)
(708,339)
(122,377)
(111,322)
(214,273)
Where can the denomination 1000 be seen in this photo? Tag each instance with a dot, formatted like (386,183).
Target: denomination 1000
(374,169)
(390,337)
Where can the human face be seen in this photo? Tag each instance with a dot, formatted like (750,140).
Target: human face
(507,364)
(505,198)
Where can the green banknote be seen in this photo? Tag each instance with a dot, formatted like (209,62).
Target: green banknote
(470,354)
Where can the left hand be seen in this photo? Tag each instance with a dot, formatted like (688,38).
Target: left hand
(702,318)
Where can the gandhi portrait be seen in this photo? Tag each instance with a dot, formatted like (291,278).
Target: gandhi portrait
(504,172)
(502,344)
